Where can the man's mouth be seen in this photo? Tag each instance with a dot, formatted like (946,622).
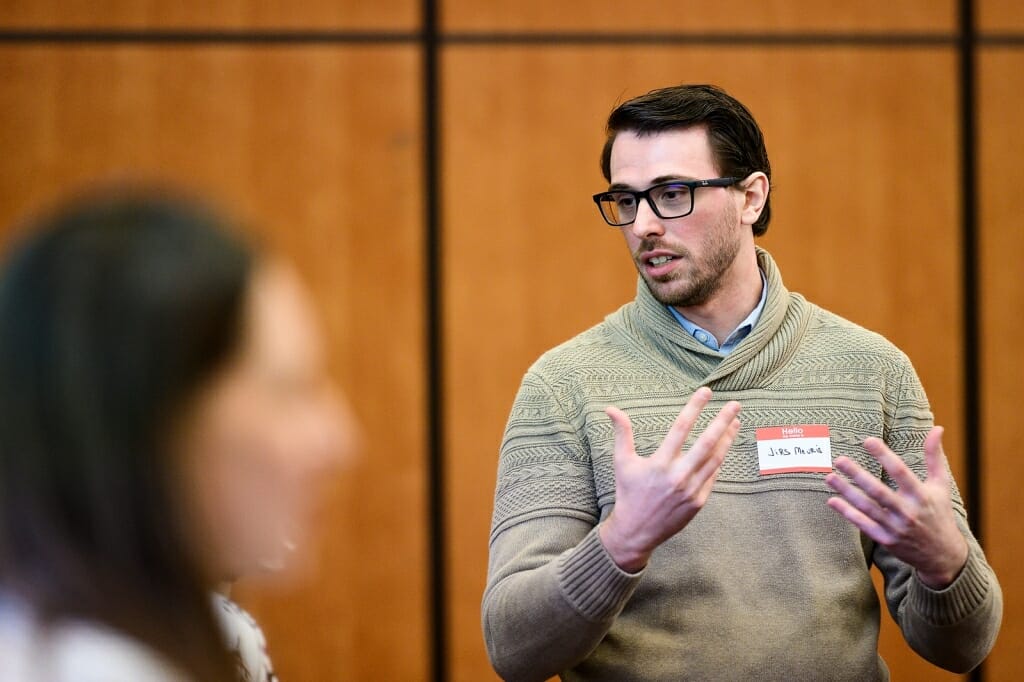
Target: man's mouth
(660,260)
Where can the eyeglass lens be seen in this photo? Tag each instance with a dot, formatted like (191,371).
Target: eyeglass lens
(670,201)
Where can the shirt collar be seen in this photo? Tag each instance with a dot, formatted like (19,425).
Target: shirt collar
(738,334)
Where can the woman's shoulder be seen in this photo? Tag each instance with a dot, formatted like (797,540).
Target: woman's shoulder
(73,651)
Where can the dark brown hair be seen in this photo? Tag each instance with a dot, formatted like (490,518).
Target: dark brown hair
(114,311)
(736,140)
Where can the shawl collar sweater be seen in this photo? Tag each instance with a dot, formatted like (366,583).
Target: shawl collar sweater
(766,582)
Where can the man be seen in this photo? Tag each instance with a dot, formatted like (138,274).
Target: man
(625,547)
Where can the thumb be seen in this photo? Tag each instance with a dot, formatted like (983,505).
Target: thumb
(623,428)
(935,456)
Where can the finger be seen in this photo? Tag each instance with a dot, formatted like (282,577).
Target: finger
(857,499)
(865,524)
(623,430)
(680,429)
(710,471)
(935,456)
(706,476)
(894,465)
(713,464)
(716,438)
(882,494)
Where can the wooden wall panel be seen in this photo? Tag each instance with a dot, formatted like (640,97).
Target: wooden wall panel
(205,14)
(672,17)
(319,146)
(1001,81)
(865,223)
(999,16)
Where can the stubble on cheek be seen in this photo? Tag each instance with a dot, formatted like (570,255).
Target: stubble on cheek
(693,281)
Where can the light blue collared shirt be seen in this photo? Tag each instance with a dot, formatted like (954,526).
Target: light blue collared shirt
(708,339)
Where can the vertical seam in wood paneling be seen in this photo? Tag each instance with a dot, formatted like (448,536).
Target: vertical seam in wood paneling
(972,440)
(438,612)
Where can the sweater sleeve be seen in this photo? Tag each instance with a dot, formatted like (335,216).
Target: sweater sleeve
(552,589)
(954,628)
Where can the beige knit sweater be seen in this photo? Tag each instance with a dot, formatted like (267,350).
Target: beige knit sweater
(766,582)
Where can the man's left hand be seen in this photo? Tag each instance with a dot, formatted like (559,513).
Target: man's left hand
(915,522)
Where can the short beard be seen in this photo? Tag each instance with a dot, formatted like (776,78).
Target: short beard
(707,276)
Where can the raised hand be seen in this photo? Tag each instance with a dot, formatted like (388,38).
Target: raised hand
(656,496)
(915,522)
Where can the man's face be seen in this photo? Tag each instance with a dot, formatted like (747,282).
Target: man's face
(685,261)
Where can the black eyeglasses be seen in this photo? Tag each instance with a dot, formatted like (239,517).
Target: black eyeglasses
(667,199)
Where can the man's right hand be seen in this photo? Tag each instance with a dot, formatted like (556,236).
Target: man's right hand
(656,496)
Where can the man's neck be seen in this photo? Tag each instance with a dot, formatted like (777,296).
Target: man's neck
(729,306)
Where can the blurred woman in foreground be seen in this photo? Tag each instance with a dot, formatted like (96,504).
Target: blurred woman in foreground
(165,413)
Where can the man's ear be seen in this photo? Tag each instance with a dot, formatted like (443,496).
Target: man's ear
(755,190)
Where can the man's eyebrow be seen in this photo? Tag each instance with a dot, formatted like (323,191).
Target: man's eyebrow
(656,181)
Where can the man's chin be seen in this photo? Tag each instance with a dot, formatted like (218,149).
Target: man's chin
(667,291)
(678,294)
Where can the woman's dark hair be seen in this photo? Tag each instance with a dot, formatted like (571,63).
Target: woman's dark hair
(114,311)
(736,140)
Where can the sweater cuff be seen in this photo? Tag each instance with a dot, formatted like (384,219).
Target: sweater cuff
(957,601)
(592,582)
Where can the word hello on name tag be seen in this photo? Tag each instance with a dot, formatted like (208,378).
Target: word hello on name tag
(794,449)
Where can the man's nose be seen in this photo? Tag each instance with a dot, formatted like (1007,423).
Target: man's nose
(647,223)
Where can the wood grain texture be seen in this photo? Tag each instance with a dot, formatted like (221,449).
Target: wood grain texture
(999,16)
(865,223)
(669,16)
(211,14)
(1001,82)
(319,149)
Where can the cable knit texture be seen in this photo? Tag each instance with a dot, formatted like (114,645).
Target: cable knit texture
(766,582)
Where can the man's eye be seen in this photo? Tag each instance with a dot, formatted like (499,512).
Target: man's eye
(674,194)
(625,200)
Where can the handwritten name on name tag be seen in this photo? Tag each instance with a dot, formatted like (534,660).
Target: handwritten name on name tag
(805,448)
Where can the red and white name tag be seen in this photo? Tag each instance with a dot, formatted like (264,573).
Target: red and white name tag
(805,448)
